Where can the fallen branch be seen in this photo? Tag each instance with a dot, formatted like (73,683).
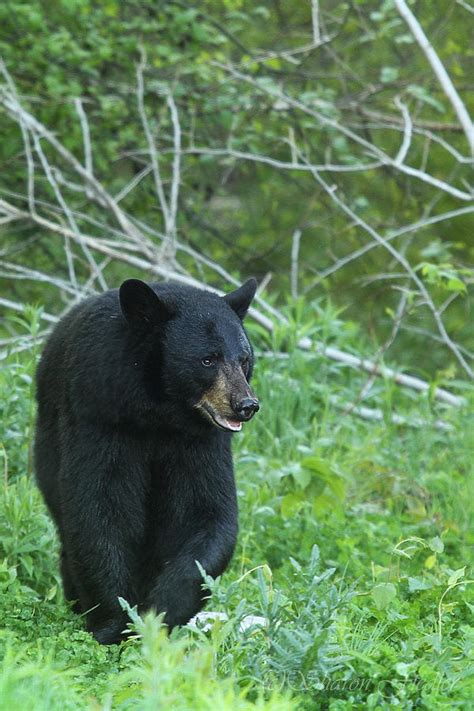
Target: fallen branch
(408,381)
(353,361)
(369,413)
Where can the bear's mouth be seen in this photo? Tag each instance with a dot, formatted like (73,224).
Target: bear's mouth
(224,423)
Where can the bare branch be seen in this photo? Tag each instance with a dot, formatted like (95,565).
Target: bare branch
(26,140)
(401,259)
(86,140)
(15,306)
(176,174)
(133,183)
(152,152)
(16,271)
(414,227)
(282,165)
(371,149)
(168,205)
(407,132)
(18,113)
(393,125)
(71,220)
(200,259)
(315,21)
(295,248)
(466,6)
(432,337)
(418,124)
(438,68)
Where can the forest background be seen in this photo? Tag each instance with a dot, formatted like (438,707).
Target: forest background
(326,149)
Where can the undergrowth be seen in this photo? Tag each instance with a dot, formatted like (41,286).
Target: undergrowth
(356,545)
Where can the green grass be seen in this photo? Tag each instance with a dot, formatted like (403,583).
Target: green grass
(356,543)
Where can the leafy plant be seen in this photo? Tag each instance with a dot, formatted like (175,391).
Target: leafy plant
(362,575)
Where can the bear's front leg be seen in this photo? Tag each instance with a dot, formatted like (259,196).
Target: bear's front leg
(177,590)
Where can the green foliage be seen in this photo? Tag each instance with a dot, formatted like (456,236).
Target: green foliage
(242,214)
(355,545)
(445,276)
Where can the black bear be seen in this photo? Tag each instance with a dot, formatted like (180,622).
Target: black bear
(139,390)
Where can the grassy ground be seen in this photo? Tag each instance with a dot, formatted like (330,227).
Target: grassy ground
(356,543)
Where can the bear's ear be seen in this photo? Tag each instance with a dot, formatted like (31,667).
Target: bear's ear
(240,299)
(140,305)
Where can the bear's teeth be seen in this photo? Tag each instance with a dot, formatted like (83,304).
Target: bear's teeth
(225,422)
(234,425)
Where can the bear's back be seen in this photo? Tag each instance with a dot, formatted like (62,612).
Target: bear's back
(80,351)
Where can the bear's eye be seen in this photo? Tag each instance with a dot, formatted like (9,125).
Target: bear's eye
(207,362)
(245,362)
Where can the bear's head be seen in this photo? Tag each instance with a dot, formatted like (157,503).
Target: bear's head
(195,356)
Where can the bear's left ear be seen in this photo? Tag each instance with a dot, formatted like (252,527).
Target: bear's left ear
(140,305)
(240,299)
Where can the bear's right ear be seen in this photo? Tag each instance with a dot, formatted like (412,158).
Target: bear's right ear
(240,299)
(140,305)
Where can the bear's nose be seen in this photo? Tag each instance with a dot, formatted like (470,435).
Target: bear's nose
(247,407)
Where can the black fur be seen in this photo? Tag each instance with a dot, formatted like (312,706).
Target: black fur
(139,482)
